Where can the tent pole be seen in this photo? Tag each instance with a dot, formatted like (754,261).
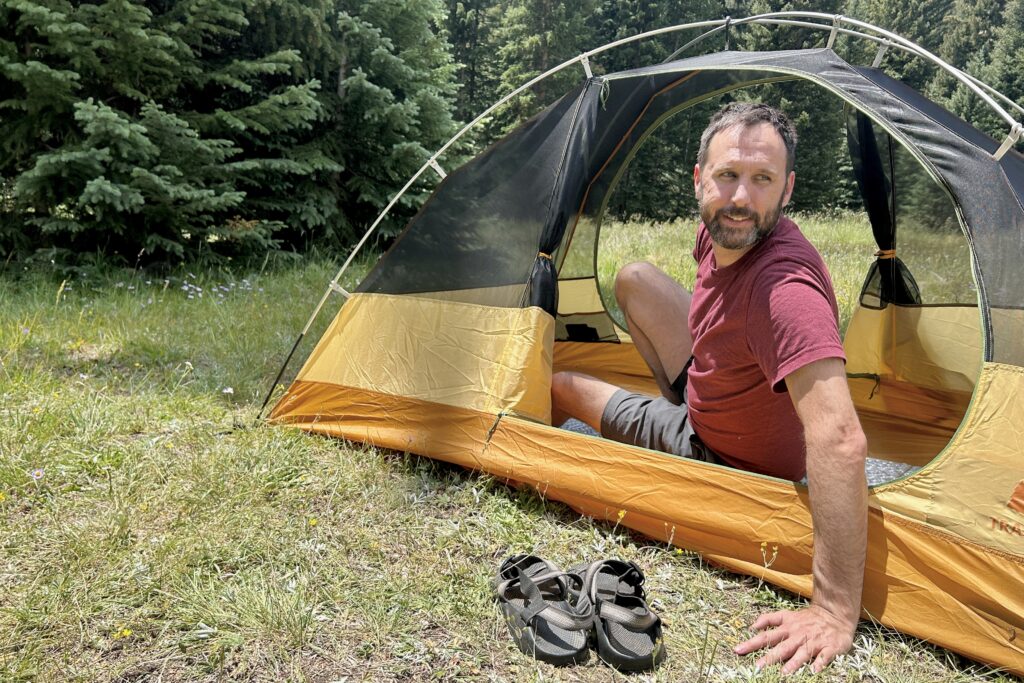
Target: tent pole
(273,385)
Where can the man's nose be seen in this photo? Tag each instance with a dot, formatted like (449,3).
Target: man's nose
(740,196)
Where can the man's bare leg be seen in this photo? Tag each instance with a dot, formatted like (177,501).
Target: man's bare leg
(574,394)
(656,309)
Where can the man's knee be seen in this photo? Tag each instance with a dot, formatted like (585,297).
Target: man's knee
(560,386)
(635,282)
(634,278)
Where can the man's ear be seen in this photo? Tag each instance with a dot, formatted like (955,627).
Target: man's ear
(696,180)
(790,181)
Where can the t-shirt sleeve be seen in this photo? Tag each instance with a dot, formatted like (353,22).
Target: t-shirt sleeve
(791,322)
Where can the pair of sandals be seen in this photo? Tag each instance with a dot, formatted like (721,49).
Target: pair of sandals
(555,616)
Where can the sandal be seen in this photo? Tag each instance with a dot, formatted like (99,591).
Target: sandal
(628,633)
(534,596)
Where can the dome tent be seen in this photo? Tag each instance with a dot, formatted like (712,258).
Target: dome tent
(447,347)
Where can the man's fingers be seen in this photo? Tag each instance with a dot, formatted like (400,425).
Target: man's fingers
(782,652)
(769,620)
(801,656)
(761,640)
(823,659)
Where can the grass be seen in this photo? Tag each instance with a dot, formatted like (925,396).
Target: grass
(149,530)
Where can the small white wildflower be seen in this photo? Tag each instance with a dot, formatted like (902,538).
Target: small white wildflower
(227,390)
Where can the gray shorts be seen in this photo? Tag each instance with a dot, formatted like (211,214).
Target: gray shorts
(653,423)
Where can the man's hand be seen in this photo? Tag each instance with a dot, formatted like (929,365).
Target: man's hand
(812,635)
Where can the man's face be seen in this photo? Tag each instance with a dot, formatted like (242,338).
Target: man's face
(743,185)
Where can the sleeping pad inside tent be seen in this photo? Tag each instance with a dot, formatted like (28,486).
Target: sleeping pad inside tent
(448,345)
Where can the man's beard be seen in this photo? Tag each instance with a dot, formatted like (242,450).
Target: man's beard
(738,238)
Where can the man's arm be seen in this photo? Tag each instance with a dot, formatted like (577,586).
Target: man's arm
(836,449)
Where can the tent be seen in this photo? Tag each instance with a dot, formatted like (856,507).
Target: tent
(447,347)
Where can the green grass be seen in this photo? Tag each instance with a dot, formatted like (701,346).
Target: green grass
(150,531)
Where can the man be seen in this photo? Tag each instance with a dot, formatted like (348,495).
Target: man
(755,359)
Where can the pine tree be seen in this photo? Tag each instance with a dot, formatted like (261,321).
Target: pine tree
(920,21)
(122,121)
(968,39)
(1005,72)
(656,183)
(823,178)
(469,25)
(176,126)
(533,36)
(391,107)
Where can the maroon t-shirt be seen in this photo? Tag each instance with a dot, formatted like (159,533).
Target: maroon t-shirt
(754,322)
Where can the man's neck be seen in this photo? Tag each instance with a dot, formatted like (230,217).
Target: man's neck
(726,257)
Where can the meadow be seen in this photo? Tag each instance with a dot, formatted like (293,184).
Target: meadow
(151,529)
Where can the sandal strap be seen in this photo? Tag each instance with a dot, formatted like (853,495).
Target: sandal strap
(538,606)
(630,578)
(502,588)
(628,618)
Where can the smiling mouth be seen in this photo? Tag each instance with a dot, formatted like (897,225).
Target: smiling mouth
(737,217)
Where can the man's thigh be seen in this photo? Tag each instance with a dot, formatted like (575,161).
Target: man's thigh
(648,422)
(654,423)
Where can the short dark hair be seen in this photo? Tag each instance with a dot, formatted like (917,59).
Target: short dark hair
(748,114)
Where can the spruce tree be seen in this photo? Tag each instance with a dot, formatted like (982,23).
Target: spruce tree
(533,36)
(177,126)
(469,25)
(656,184)
(1005,72)
(124,122)
(390,107)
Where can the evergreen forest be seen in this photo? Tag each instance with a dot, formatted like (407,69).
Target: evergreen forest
(151,132)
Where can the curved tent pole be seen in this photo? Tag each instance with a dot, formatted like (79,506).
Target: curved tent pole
(903,43)
(865,36)
(773,18)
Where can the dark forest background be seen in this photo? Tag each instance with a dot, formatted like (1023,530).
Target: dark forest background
(158,131)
